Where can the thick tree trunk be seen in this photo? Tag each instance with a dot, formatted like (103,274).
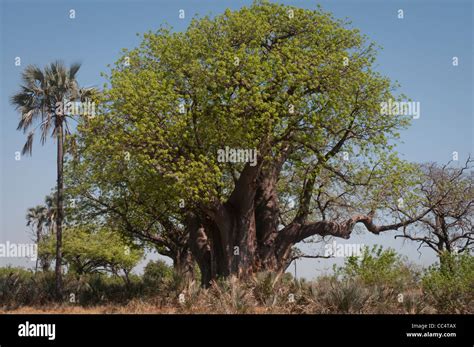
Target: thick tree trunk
(199,246)
(243,240)
(223,238)
(266,214)
(233,239)
(183,264)
(59,214)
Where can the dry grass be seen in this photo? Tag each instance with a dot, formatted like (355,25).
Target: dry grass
(328,296)
(131,308)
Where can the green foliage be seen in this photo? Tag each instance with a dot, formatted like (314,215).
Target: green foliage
(263,289)
(377,267)
(86,250)
(20,287)
(230,81)
(98,288)
(156,276)
(450,284)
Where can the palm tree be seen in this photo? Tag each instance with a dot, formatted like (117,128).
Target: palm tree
(36,218)
(41,93)
(42,219)
(50,205)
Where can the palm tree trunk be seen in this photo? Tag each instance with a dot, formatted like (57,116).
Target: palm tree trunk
(38,240)
(59,214)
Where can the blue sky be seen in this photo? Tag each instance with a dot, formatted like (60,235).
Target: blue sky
(417,52)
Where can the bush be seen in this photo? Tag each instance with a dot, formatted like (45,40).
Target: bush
(378,267)
(340,296)
(377,282)
(263,289)
(99,288)
(157,276)
(449,285)
(231,296)
(21,287)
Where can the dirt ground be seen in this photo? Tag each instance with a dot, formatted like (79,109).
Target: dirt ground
(109,309)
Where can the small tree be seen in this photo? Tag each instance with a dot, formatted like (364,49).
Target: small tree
(36,218)
(449,193)
(96,251)
(41,219)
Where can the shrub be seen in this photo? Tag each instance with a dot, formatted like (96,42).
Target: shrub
(263,289)
(340,296)
(20,286)
(449,285)
(157,276)
(231,296)
(378,267)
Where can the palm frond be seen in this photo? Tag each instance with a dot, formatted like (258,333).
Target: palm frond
(45,127)
(38,97)
(73,70)
(28,147)
(26,120)
(33,77)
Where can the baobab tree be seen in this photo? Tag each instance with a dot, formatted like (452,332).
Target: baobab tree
(294,86)
(41,103)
